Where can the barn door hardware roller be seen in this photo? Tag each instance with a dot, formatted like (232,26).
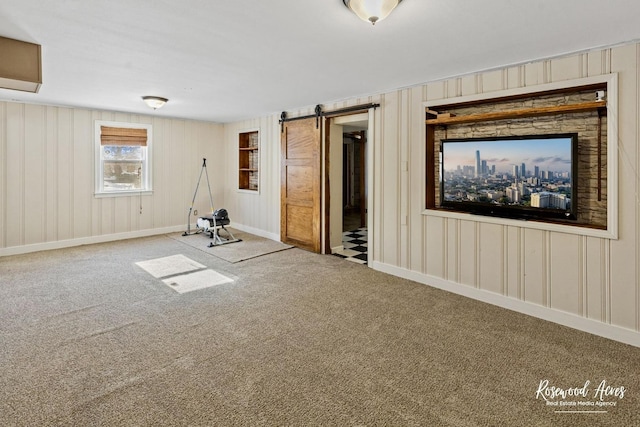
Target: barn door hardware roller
(319,113)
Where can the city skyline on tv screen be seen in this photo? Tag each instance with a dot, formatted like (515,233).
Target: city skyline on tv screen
(548,154)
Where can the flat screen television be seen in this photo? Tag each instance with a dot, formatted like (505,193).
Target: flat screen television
(524,177)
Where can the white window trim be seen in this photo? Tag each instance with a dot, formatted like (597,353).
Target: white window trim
(98,166)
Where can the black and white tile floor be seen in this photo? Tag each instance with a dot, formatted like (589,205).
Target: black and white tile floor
(354,246)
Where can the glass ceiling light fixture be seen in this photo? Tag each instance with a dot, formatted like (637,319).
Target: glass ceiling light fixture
(371,10)
(154,102)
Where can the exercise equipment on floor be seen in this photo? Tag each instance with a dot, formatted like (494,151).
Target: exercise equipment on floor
(212,223)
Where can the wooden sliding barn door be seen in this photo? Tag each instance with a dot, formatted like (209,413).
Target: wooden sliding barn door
(300,185)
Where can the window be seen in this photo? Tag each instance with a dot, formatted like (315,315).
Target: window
(123,158)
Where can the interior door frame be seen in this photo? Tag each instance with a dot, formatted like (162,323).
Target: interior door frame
(368,160)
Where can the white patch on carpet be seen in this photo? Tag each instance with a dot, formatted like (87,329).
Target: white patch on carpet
(169,266)
(198,280)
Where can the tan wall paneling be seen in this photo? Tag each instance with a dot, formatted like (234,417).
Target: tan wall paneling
(3,180)
(451,254)
(15,182)
(596,281)
(491,257)
(468,253)
(47,177)
(493,81)
(390,181)
(83,184)
(594,277)
(62,140)
(416,188)
(257,211)
(435,244)
(566,272)
(404,139)
(625,281)
(35,180)
(513,259)
(536,264)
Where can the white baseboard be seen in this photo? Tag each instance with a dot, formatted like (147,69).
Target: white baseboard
(337,249)
(256,231)
(68,243)
(616,333)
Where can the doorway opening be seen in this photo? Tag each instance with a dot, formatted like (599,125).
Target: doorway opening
(348,182)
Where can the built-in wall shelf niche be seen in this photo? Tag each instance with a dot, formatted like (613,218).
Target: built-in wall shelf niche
(248,160)
(584,108)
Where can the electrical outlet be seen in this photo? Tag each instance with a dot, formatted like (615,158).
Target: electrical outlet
(195,212)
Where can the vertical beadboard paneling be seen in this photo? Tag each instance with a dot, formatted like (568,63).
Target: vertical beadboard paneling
(34,174)
(567,68)
(467,253)
(591,277)
(513,251)
(565,266)
(434,262)
(64,181)
(534,73)
(3,173)
(623,258)
(161,178)
(515,77)
(491,265)
(535,268)
(417,188)
(492,81)
(82,164)
(637,189)
(469,85)
(14,208)
(47,175)
(389,180)
(404,137)
(255,210)
(594,276)
(374,248)
(51,165)
(452,262)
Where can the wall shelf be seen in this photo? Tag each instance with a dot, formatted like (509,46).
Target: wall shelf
(248,160)
(514,114)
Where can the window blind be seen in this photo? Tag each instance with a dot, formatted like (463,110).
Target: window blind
(123,136)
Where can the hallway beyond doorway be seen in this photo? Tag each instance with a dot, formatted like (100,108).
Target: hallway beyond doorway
(354,246)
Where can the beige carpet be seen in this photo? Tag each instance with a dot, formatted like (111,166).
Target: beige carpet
(250,246)
(89,338)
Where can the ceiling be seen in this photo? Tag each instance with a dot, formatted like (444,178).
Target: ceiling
(224,61)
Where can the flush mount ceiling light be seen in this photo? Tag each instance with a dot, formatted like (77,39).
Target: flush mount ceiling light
(371,10)
(154,102)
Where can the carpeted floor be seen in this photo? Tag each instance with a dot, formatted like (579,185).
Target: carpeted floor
(91,339)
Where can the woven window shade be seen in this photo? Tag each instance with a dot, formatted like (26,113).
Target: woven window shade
(123,136)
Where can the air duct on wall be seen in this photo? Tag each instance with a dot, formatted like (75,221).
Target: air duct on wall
(20,65)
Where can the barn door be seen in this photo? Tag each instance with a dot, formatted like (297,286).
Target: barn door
(300,184)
